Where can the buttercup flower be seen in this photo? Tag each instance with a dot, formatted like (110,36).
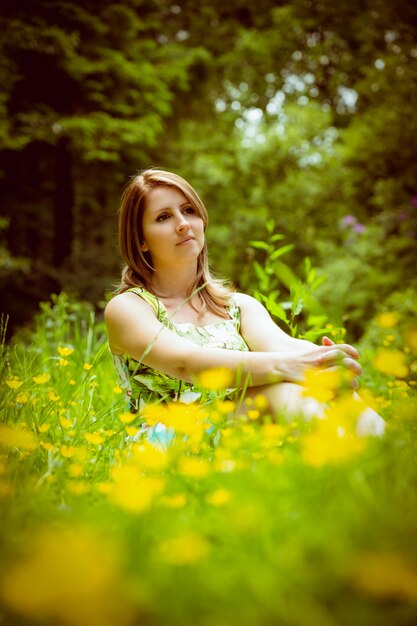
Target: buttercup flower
(41,379)
(64,351)
(14,383)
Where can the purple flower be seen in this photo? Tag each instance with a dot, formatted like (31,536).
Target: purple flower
(359,228)
(348,220)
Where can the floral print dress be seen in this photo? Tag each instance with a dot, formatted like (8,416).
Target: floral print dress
(143,385)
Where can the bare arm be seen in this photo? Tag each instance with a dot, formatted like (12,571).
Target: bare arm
(262,334)
(133,329)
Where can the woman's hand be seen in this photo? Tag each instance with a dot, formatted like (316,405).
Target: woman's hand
(328,342)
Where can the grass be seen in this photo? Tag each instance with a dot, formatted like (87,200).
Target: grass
(245,522)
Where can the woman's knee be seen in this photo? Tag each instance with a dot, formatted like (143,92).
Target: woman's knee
(286,400)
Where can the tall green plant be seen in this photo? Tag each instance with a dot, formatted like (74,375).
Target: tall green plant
(300,311)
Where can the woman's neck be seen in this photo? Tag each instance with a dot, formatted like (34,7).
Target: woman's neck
(173,283)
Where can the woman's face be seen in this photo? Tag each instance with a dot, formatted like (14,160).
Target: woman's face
(173,232)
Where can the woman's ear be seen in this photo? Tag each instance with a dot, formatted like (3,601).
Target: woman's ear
(144,246)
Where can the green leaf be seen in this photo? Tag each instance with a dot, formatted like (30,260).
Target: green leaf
(281,251)
(261,245)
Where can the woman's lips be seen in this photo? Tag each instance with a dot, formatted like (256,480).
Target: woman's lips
(184,241)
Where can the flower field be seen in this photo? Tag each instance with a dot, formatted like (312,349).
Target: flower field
(239,520)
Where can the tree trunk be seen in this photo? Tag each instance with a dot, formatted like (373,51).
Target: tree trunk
(63,204)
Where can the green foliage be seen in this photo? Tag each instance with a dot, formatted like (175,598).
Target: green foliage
(273,275)
(272,112)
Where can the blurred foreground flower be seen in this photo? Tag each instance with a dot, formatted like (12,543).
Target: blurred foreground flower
(68,577)
(387,320)
(334,439)
(322,384)
(131,491)
(391,362)
(18,437)
(216,378)
(96,439)
(184,549)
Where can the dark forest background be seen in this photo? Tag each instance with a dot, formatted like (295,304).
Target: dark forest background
(301,112)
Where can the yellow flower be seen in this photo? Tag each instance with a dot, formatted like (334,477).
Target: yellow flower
(391,362)
(94,438)
(47,446)
(194,467)
(87,367)
(132,491)
(64,351)
(387,320)
(63,362)
(261,402)
(184,549)
(41,379)
(148,457)
(385,575)
(104,487)
(334,439)
(22,398)
(43,428)
(53,396)
(218,497)
(117,389)
(175,501)
(188,419)
(131,430)
(18,437)
(65,422)
(216,378)
(67,576)
(226,406)
(68,451)
(321,384)
(76,470)
(274,432)
(71,382)
(153,413)
(253,414)
(14,383)
(127,418)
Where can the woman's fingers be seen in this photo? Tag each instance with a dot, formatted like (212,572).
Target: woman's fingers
(326,342)
(333,356)
(348,349)
(353,366)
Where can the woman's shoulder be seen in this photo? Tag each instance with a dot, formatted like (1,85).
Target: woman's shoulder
(128,301)
(244,301)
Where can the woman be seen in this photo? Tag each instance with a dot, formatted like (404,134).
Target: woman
(171,320)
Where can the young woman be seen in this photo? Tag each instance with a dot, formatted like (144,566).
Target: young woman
(171,320)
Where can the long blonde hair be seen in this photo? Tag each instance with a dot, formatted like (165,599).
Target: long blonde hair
(213,294)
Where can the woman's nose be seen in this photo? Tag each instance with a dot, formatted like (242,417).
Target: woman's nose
(183,224)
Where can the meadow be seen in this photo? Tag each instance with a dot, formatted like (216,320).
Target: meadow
(240,520)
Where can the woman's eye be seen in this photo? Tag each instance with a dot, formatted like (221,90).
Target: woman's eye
(189,210)
(162,217)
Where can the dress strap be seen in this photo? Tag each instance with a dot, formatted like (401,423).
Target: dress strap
(234,311)
(156,304)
